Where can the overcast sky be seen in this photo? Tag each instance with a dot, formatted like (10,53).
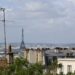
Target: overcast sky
(44,21)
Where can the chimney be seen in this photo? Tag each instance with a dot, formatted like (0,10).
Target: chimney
(10,55)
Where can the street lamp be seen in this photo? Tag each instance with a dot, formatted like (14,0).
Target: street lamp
(3,10)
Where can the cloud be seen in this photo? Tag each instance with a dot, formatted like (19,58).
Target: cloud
(45,18)
(34,6)
(73,1)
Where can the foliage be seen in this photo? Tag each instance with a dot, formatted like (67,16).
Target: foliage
(22,67)
(60,65)
(61,73)
(52,67)
(69,73)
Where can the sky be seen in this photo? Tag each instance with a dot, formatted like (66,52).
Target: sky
(44,21)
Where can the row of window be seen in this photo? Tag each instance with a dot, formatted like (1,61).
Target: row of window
(69,68)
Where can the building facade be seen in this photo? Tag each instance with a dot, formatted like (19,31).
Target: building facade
(68,65)
(34,55)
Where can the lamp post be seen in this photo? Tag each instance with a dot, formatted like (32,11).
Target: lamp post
(3,10)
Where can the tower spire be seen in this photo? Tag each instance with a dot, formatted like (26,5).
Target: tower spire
(22,34)
(22,46)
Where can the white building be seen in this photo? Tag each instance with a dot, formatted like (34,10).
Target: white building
(68,65)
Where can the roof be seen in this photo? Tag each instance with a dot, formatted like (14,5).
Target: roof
(66,59)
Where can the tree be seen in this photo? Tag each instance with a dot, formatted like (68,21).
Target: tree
(52,67)
(22,67)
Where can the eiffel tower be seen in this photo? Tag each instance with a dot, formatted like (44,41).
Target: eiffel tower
(22,46)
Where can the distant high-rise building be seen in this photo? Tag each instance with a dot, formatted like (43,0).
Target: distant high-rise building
(22,46)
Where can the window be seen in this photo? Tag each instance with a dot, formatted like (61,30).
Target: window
(69,68)
(61,69)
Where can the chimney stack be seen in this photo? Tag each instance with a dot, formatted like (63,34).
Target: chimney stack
(10,55)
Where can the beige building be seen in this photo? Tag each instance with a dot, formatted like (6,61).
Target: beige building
(34,55)
(68,65)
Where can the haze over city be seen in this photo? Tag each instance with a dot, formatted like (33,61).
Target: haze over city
(44,21)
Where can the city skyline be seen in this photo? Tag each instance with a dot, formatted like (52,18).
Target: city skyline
(45,21)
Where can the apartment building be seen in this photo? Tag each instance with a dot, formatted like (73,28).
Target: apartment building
(35,55)
(68,65)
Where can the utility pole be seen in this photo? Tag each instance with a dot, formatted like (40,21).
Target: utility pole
(3,10)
